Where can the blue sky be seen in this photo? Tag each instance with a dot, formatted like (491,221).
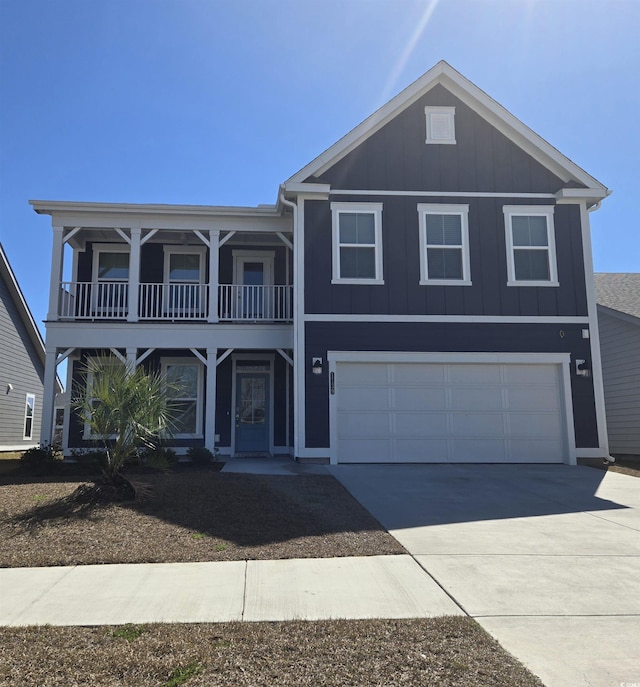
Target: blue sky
(217,102)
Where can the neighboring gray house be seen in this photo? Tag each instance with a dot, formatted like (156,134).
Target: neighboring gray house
(618,298)
(21,366)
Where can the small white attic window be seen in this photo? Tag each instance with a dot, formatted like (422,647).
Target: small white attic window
(441,127)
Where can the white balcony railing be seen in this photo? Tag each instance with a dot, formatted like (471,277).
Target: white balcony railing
(252,303)
(107,300)
(174,301)
(110,301)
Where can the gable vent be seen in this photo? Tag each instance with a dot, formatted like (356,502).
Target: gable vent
(440,124)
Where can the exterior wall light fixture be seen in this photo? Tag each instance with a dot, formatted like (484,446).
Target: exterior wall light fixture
(316,366)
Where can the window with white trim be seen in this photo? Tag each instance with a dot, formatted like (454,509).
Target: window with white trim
(184,276)
(357,243)
(105,363)
(29,411)
(440,124)
(444,244)
(531,246)
(186,393)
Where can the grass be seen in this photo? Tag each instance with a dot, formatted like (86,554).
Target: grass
(446,652)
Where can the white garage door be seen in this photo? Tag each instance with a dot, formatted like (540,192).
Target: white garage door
(435,412)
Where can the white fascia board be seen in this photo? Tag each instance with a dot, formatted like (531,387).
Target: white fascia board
(88,334)
(47,207)
(308,190)
(594,195)
(476,99)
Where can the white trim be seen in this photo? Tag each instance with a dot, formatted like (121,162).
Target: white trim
(107,248)
(562,359)
(299,383)
(440,194)
(315,453)
(461,211)
(374,209)
(269,358)
(545,211)
(450,115)
(592,309)
(170,250)
(266,257)
(592,453)
(26,436)
(469,319)
(184,361)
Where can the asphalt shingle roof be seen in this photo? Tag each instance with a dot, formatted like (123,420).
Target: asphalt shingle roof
(619,291)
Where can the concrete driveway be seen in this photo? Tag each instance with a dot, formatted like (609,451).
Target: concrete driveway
(545,558)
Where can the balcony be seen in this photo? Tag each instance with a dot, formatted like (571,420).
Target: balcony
(175,302)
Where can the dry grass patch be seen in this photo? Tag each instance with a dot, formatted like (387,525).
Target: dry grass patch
(407,653)
(194,515)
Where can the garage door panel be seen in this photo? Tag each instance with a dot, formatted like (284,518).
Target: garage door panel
(423,425)
(473,375)
(531,375)
(477,424)
(530,425)
(418,374)
(364,424)
(363,374)
(372,398)
(364,451)
(533,399)
(425,399)
(470,398)
(533,450)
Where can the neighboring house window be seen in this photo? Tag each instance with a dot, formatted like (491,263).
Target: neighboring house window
(440,124)
(357,243)
(531,246)
(29,410)
(187,400)
(444,244)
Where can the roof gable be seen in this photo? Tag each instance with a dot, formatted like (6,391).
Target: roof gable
(443,74)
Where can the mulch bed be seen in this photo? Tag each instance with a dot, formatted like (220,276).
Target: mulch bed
(407,653)
(625,465)
(192,515)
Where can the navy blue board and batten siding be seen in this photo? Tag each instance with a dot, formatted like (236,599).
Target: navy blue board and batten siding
(482,161)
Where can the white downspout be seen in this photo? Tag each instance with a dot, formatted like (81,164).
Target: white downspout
(296,338)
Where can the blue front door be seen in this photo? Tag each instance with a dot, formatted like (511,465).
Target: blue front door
(252,412)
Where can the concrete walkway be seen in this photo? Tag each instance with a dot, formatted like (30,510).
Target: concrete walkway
(545,558)
(311,589)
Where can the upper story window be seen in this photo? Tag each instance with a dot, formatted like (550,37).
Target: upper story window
(441,124)
(531,246)
(184,264)
(444,244)
(110,263)
(357,243)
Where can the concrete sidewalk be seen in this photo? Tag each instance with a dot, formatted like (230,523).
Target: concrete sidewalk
(301,589)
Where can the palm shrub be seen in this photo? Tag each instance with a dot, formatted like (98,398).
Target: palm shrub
(127,410)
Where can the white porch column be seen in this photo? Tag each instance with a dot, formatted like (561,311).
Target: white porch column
(48,396)
(134,274)
(132,357)
(214,276)
(57,256)
(210,399)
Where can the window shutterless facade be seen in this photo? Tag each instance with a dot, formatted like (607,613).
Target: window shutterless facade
(444,244)
(531,246)
(29,411)
(357,243)
(187,399)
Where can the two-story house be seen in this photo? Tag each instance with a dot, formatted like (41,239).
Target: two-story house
(421,291)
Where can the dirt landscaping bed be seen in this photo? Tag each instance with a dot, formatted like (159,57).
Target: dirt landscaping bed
(191,515)
(411,653)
